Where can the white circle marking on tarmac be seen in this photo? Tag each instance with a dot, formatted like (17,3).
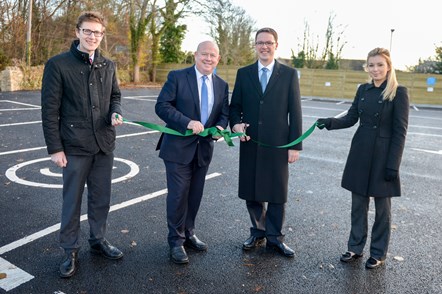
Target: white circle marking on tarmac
(47,172)
(12,175)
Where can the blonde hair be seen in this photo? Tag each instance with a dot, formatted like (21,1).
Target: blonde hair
(390,90)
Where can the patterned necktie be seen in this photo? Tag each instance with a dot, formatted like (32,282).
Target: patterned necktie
(204,101)
(264,78)
(90,61)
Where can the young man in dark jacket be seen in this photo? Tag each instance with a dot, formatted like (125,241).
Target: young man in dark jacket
(80,101)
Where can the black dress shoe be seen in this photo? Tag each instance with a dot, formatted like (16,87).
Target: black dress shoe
(178,255)
(252,242)
(104,248)
(373,263)
(69,265)
(349,256)
(281,248)
(195,243)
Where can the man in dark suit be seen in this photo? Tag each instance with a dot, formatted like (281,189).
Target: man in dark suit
(266,106)
(193,98)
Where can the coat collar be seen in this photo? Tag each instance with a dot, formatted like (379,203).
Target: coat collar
(83,56)
(273,78)
(382,86)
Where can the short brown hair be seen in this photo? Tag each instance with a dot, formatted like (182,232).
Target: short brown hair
(267,30)
(91,16)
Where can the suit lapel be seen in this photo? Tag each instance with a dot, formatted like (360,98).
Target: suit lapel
(254,77)
(216,95)
(193,86)
(274,77)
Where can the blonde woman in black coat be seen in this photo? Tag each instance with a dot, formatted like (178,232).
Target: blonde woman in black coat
(372,168)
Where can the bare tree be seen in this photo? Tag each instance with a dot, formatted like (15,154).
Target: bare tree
(331,54)
(232,29)
(138,21)
(308,53)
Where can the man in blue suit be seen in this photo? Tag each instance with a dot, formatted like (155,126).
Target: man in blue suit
(192,98)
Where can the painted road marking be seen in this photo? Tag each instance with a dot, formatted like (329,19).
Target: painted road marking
(428,151)
(140,99)
(33,107)
(16,276)
(21,103)
(47,172)
(22,150)
(143,96)
(44,147)
(11,173)
(423,134)
(22,123)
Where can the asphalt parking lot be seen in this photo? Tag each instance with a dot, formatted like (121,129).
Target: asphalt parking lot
(317,219)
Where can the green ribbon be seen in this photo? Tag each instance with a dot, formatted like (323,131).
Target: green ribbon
(297,141)
(215,132)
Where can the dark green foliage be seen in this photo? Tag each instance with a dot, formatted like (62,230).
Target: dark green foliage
(171,41)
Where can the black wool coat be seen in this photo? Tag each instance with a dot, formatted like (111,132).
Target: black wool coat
(275,118)
(77,102)
(378,142)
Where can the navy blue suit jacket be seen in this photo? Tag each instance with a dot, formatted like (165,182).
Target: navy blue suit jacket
(178,104)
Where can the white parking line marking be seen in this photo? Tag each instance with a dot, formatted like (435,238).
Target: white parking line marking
(140,99)
(32,237)
(423,134)
(341,114)
(428,151)
(16,275)
(47,172)
(426,127)
(22,150)
(21,103)
(148,96)
(34,107)
(44,147)
(17,109)
(54,228)
(23,123)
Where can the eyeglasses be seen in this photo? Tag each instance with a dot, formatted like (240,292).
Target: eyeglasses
(88,32)
(268,43)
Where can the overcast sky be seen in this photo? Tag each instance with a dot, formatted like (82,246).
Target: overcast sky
(417,25)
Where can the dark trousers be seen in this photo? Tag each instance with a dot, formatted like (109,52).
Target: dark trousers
(185,184)
(96,171)
(267,220)
(380,233)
